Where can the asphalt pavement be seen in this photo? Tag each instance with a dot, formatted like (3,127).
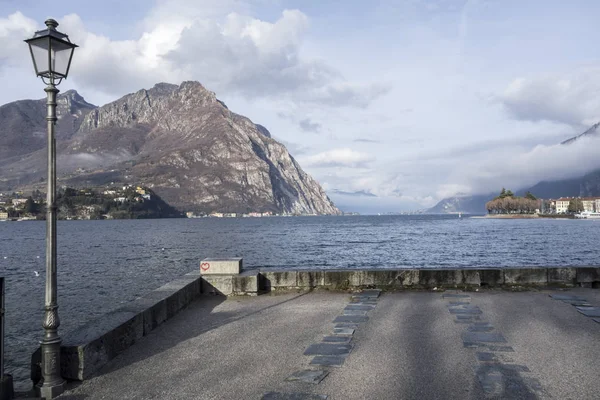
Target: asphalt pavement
(397,345)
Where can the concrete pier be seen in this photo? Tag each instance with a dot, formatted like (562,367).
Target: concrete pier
(404,344)
(88,353)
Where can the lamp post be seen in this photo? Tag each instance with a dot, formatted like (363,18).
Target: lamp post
(51,52)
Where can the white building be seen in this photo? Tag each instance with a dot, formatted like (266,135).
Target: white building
(562,205)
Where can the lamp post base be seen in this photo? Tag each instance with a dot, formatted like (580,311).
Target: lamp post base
(6,387)
(49,392)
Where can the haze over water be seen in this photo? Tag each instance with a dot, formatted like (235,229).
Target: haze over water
(102,264)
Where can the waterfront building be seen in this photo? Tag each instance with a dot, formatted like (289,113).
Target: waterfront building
(562,205)
(588,203)
(3,215)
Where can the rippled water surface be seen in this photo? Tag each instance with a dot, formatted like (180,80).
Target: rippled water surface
(102,264)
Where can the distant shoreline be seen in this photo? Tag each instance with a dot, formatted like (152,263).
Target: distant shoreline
(525,216)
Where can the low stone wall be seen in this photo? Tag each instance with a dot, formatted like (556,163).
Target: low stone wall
(429,278)
(87,349)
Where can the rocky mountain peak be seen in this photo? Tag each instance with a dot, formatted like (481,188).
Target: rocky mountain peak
(72,102)
(182,142)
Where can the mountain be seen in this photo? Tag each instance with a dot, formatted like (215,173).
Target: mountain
(181,141)
(584,186)
(466,204)
(23,124)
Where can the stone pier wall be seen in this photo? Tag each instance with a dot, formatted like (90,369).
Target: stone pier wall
(429,278)
(85,350)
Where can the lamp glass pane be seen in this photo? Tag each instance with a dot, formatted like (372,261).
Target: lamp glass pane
(39,50)
(59,57)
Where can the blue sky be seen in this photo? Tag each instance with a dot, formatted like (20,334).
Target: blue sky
(400,102)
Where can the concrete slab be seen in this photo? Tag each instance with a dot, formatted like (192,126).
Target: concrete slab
(293,396)
(328,349)
(493,357)
(566,297)
(328,361)
(485,337)
(314,376)
(577,303)
(351,318)
(362,307)
(480,328)
(354,312)
(351,325)
(463,310)
(589,311)
(455,296)
(343,331)
(337,339)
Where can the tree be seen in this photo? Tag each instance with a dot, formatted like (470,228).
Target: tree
(31,207)
(504,194)
(575,205)
(530,196)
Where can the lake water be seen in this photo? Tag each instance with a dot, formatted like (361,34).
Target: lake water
(102,264)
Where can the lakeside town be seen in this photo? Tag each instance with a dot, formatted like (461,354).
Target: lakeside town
(122,202)
(132,201)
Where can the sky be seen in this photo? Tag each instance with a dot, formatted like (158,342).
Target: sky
(392,105)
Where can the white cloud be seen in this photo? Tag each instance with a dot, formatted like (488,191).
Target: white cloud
(570,99)
(229,52)
(521,169)
(13,30)
(343,157)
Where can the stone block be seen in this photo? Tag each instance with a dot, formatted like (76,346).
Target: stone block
(588,275)
(355,278)
(221,266)
(337,280)
(565,276)
(176,294)
(408,277)
(310,279)
(491,277)
(471,277)
(154,312)
(245,283)
(90,347)
(280,279)
(308,376)
(526,276)
(381,278)
(440,277)
(217,284)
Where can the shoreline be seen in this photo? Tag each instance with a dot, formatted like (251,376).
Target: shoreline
(523,216)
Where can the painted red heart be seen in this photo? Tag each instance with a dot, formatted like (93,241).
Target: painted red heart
(204,266)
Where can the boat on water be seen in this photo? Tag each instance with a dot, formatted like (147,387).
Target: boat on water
(588,215)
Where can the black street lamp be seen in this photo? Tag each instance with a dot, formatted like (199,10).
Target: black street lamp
(51,52)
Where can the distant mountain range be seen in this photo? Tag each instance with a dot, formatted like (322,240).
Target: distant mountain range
(584,186)
(181,141)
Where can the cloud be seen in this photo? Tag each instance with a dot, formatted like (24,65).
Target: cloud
(361,140)
(308,126)
(294,148)
(13,30)
(343,157)
(569,99)
(231,53)
(359,193)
